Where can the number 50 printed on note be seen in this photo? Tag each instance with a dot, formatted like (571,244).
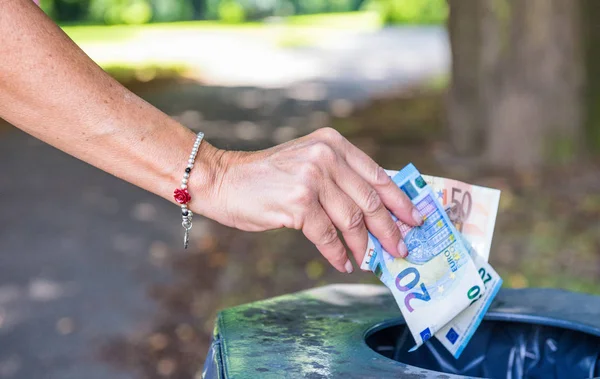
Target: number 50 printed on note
(473,208)
(438,279)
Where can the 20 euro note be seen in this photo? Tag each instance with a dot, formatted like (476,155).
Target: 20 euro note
(438,279)
(456,335)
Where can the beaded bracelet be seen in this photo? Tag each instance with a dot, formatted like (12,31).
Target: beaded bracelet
(182,196)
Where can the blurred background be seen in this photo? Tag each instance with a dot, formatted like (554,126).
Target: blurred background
(500,93)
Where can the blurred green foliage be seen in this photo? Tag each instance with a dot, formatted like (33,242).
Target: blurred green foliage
(232,11)
(112,12)
(142,73)
(409,11)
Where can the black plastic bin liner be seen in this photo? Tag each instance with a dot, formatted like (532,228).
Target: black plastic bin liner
(500,349)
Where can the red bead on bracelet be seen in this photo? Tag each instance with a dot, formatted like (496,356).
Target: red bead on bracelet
(182,196)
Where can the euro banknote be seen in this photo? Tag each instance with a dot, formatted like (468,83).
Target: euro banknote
(438,279)
(473,210)
(456,335)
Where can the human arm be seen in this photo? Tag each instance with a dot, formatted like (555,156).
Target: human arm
(53,91)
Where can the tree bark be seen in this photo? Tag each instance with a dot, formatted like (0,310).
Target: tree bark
(464,98)
(517,102)
(591,15)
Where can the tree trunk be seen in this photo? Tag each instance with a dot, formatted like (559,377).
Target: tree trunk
(591,15)
(199,7)
(464,98)
(517,102)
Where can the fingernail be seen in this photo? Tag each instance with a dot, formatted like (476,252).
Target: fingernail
(402,249)
(349,268)
(417,216)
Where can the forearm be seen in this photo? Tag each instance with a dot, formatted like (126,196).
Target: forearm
(53,91)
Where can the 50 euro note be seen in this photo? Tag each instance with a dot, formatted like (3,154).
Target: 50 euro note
(438,279)
(472,209)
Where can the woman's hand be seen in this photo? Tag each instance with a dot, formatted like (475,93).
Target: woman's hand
(317,184)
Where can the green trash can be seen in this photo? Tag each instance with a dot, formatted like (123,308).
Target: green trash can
(357,331)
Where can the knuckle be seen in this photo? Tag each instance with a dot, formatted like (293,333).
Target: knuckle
(372,203)
(337,258)
(291,221)
(356,220)
(329,236)
(302,196)
(329,134)
(308,172)
(380,178)
(322,152)
(392,232)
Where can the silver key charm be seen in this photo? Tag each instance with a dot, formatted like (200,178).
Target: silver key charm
(186,238)
(187,225)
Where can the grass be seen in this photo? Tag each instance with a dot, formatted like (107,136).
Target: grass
(530,279)
(82,34)
(119,33)
(101,33)
(347,20)
(294,31)
(129,73)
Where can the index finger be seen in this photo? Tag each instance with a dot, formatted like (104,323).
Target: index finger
(392,197)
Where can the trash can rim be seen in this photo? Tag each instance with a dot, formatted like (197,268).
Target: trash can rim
(502,317)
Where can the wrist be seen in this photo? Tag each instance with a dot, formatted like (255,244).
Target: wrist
(206,177)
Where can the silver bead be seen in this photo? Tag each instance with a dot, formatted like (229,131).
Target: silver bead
(186,175)
(183,206)
(183,186)
(184,181)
